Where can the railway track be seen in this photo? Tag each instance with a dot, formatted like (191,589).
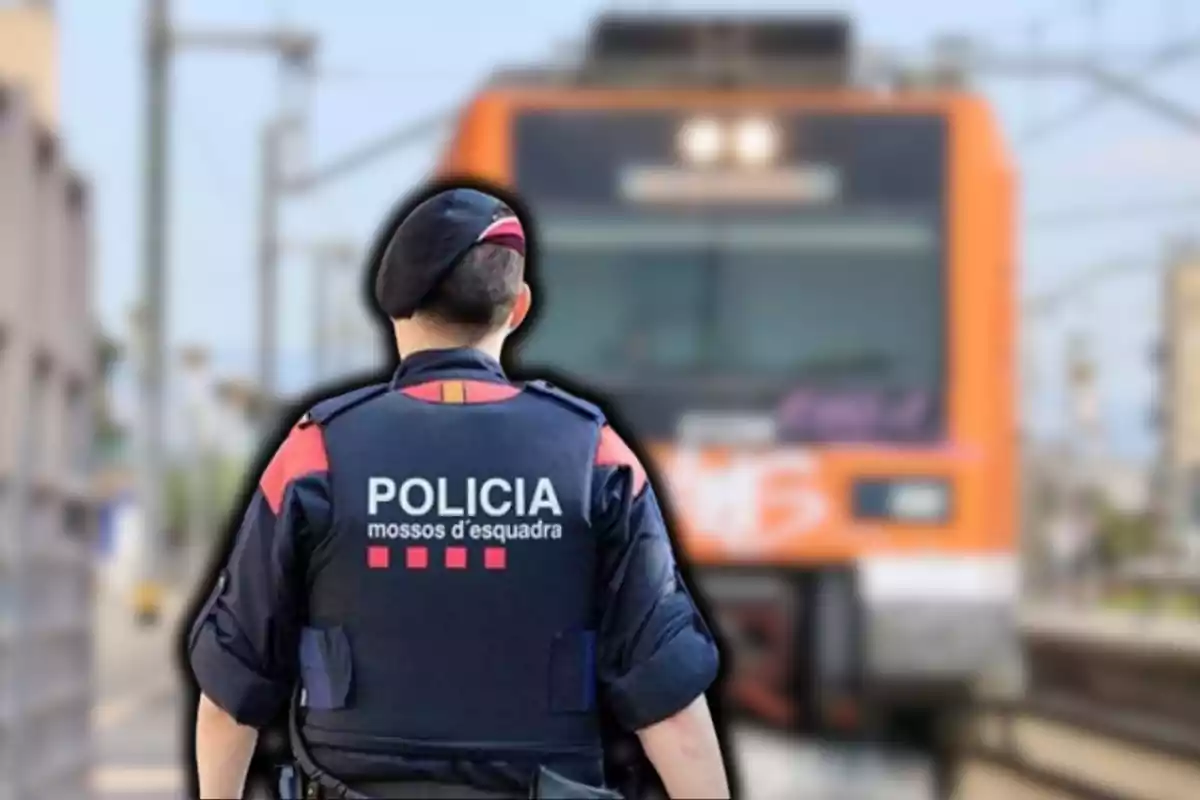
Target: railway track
(1110,710)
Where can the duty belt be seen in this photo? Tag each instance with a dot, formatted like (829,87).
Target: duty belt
(418,790)
(317,784)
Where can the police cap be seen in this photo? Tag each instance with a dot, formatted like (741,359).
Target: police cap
(431,240)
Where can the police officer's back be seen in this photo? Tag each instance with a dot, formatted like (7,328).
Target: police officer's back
(450,575)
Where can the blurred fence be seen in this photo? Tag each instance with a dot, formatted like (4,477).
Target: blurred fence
(1110,706)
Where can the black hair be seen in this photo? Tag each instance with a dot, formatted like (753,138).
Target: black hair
(478,295)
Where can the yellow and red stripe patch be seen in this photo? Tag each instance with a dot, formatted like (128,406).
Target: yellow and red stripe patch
(453,392)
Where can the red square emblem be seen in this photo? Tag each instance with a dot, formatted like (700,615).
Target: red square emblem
(378,557)
(416,557)
(456,558)
(494,558)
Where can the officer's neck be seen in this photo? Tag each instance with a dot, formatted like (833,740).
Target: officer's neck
(416,336)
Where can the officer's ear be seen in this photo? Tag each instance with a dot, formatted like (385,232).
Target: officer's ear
(520,309)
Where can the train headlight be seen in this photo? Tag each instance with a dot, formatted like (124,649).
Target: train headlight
(756,142)
(921,500)
(701,141)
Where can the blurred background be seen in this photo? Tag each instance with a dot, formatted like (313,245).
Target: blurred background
(903,297)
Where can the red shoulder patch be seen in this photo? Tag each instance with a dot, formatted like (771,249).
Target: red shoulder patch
(485,392)
(613,452)
(429,392)
(302,453)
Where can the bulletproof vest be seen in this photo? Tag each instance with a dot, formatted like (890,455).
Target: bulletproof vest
(451,611)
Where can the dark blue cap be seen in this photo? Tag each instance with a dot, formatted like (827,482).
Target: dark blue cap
(431,240)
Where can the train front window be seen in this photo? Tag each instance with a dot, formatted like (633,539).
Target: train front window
(812,289)
(852,302)
(854,328)
(832,304)
(845,316)
(619,310)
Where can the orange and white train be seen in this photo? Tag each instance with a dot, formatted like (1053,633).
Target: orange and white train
(799,294)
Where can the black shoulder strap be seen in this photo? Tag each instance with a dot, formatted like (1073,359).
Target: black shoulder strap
(324,412)
(576,404)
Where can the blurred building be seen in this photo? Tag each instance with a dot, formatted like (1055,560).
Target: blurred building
(29,56)
(1180,395)
(47,369)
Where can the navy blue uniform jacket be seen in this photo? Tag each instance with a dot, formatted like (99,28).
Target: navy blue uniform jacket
(654,653)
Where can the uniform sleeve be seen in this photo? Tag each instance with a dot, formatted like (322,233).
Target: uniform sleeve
(655,653)
(243,646)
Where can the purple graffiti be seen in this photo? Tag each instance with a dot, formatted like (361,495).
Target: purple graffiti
(857,415)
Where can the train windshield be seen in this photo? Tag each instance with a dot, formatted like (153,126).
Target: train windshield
(852,303)
(849,304)
(621,309)
(813,287)
(844,311)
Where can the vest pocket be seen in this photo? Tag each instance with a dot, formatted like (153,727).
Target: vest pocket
(326,668)
(573,672)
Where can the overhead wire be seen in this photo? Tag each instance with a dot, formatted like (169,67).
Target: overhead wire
(1082,216)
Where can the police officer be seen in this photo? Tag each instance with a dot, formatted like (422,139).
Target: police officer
(450,576)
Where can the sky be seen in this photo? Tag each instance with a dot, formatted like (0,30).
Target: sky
(388,62)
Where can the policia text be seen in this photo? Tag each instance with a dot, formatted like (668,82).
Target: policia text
(515,509)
